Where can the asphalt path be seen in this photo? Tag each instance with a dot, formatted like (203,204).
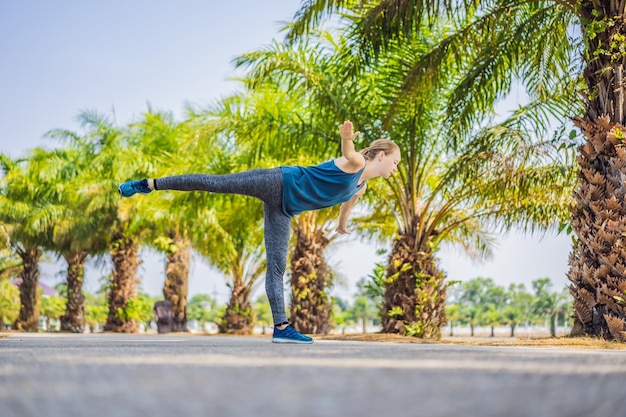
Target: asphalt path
(69,375)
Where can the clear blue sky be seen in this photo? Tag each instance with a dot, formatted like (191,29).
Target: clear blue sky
(62,57)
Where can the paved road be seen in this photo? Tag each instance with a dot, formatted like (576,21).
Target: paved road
(185,375)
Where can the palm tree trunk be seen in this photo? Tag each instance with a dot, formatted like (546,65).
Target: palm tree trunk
(238,317)
(310,280)
(177,281)
(414,294)
(125,263)
(598,260)
(28,319)
(74,318)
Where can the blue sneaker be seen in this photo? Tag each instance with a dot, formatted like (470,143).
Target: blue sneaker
(130,188)
(289,335)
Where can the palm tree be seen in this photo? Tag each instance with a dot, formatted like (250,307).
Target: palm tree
(534,42)
(455,190)
(118,156)
(168,143)
(75,235)
(547,302)
(26,213)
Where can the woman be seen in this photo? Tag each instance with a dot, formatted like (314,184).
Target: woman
(285,192)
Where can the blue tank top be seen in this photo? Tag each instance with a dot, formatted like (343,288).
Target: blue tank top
(317,187)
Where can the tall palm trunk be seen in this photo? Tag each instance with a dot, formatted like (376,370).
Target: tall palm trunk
(28,319)
(125,263)
(310,279)
(414,294)
(238,317)
(177,280)
(74,318)
(598,260)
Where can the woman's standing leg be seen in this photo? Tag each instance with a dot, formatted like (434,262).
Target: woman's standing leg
(277,232)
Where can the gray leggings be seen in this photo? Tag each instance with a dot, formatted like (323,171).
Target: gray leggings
(267,185)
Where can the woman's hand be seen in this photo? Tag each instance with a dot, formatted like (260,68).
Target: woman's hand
(342,230)
(346,131)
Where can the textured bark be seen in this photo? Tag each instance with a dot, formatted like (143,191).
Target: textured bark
(74,318)
(125,263)
(311,279)
(177,281)
(238,317)
(414,294)
(598,259)
(28,319)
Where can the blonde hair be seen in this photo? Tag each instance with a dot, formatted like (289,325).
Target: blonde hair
(379,145)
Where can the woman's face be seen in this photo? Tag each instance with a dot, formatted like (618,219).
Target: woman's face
(389,163)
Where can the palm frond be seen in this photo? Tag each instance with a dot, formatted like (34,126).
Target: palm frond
(497,60)
(310,13)
(380,21)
